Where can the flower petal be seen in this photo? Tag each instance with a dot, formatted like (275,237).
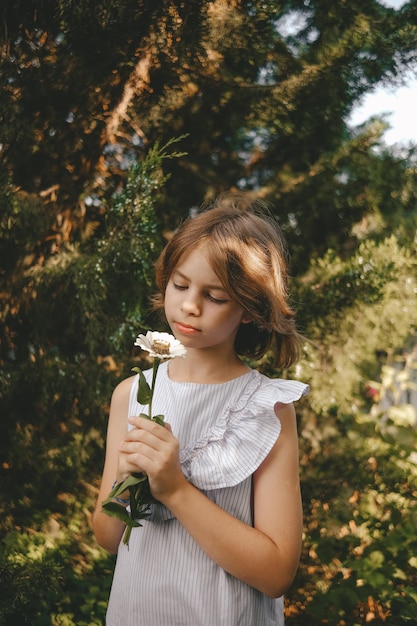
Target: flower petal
(160,345)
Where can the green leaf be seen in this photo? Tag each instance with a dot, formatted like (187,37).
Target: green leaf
(120,488)
(134,479)
(144,391)
(159,419)
(116,510)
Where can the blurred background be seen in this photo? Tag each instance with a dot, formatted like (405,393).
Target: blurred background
(118,118)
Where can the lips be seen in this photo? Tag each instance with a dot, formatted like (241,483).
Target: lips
(185,329)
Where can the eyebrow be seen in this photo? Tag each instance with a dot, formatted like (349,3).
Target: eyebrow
(219,287)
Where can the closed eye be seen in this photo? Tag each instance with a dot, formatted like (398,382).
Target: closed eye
(215,300)
(208,295)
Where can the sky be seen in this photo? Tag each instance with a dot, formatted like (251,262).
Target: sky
(399,105)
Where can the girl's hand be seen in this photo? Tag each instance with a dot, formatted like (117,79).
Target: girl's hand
(152,449)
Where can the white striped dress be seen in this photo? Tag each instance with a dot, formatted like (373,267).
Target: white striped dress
(225,432)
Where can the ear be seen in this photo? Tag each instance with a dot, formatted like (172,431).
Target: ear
(246,319)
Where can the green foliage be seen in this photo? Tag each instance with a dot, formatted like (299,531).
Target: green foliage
(358,564)
(19,596)
(55,575)
(259,93)
(22,227)
(359,482)
(104,285)
(350,310)
(53,436)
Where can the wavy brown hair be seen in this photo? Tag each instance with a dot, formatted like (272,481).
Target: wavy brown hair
(247,252)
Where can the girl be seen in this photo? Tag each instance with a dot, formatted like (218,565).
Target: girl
(222,543)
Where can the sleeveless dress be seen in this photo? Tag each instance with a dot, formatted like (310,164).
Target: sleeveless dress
(225,431)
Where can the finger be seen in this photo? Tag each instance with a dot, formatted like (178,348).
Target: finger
(136,457)
(146,441)
(142,424)
(136,419)
(141,421)
(129,464)
(141,443)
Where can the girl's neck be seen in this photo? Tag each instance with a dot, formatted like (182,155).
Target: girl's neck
(198,368)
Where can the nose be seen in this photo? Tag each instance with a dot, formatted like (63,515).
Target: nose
(191,303)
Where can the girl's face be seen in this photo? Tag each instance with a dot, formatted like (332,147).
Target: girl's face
(198,309)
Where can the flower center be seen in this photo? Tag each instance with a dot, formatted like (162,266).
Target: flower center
(161,347)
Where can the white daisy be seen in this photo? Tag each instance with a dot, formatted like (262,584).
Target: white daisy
(160,345)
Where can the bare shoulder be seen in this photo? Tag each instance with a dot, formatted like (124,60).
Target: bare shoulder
(120,401)
(283,457)
(286,415)
(122,390)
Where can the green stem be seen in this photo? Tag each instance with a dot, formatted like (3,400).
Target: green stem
(154,372)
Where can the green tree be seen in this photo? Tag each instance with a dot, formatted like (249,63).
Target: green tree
(259,92)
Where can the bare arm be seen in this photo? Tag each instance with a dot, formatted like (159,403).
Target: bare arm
(109,530)
(266,556)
